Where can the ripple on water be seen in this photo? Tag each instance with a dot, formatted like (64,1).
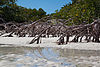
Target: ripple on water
(31,57)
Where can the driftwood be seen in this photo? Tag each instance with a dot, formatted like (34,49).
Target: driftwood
(87,30)
(61,40)
(37,39)
(45,27)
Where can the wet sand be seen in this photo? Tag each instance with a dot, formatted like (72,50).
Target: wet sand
(17,52)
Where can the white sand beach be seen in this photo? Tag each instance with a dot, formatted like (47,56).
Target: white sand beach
(79,61)
(47,42)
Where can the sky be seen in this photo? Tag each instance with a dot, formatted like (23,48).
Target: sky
(47,5)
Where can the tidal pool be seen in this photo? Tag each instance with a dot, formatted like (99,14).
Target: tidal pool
(47,57)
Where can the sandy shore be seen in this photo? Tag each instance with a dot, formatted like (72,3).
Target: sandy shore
(73,57)
(47,42)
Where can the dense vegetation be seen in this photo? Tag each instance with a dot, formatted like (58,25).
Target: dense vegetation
(10,11)
(81,11)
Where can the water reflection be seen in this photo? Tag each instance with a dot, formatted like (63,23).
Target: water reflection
(47,57)
(31,57)
(76,52)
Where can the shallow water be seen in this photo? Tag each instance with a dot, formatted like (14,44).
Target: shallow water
(47,57)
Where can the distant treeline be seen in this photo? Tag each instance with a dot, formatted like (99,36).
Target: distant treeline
(81,11)
(10,11)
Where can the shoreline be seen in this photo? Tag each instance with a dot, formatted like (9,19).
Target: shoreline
(46,42)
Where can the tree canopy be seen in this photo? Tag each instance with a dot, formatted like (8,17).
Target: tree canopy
(10,11)
(81,11)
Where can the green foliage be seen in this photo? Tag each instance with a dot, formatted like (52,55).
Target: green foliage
(10,11)
(79,11)
(4,3)
(41,13)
